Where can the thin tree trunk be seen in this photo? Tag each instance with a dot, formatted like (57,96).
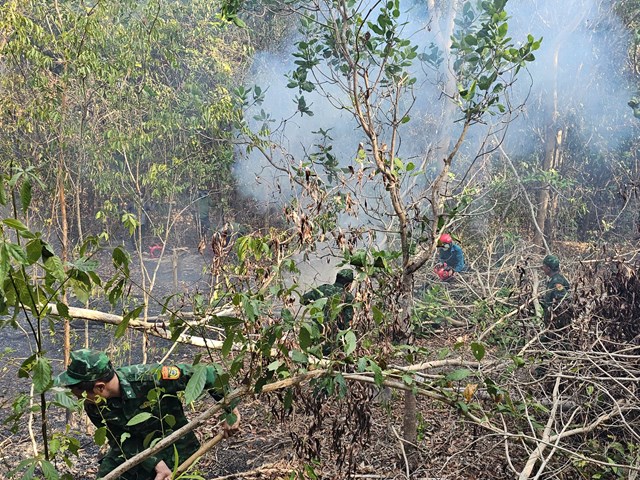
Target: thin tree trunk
(544,193)
(410,428)
(547,201)
(554,134)
(64,229)
(552,220)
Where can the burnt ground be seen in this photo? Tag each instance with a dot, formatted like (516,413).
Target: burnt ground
(273,442)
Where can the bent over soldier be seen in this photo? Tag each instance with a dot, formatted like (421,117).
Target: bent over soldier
(113,397)
(336,292)
(556,297)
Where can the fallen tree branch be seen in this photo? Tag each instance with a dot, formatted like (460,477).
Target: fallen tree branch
(151,328)
(546,435)
(403,451)
(204,448)
(267,471)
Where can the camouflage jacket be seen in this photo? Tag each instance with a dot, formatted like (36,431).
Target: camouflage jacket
(557,290)
(152,390)
(337,292)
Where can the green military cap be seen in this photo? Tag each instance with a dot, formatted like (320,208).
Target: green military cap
(552,262)
(86,366)
(344,276)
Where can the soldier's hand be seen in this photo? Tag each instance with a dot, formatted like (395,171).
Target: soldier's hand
(163,472)
(228,430)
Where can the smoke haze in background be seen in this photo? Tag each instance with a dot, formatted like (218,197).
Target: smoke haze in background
(591,46)
(588,83)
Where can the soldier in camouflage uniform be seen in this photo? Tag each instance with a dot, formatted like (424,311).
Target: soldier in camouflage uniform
(203,205)
(556,294)
(336,294)
(114,396)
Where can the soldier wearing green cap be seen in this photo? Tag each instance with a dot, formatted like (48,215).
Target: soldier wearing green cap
(113,397)
(557,290)
(338,311)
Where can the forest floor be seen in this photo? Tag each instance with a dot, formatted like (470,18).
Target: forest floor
(271,444)
(362,431)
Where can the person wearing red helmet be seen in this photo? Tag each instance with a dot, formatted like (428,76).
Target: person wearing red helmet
(451,258)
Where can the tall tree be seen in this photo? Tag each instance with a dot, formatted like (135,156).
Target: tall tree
(360,60)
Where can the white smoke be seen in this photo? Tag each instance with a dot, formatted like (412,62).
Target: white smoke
(587,43)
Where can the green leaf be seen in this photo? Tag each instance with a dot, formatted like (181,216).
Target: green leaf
(16,224)
(350,342)
(34,250)
(64,400)
(63,309)
(42,378)
(25,195)
(273,366)
(458,375)
(304,337)
(378,315)
(502,29)
(47,251)
(224,321)
(54,267)
(5,266)
(196,383)
(3,193)
(170,420)
(518,361)
(120,259)
(139,418)
(16,252)
(28,474)
(228,343)
(478,350)
(48,470)
(26,366)
(149,439)
(299,357)
(378,377)
(100,436)
(124,324)
(358,259)
(85,265)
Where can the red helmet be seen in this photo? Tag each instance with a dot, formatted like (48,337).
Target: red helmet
(445,238)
